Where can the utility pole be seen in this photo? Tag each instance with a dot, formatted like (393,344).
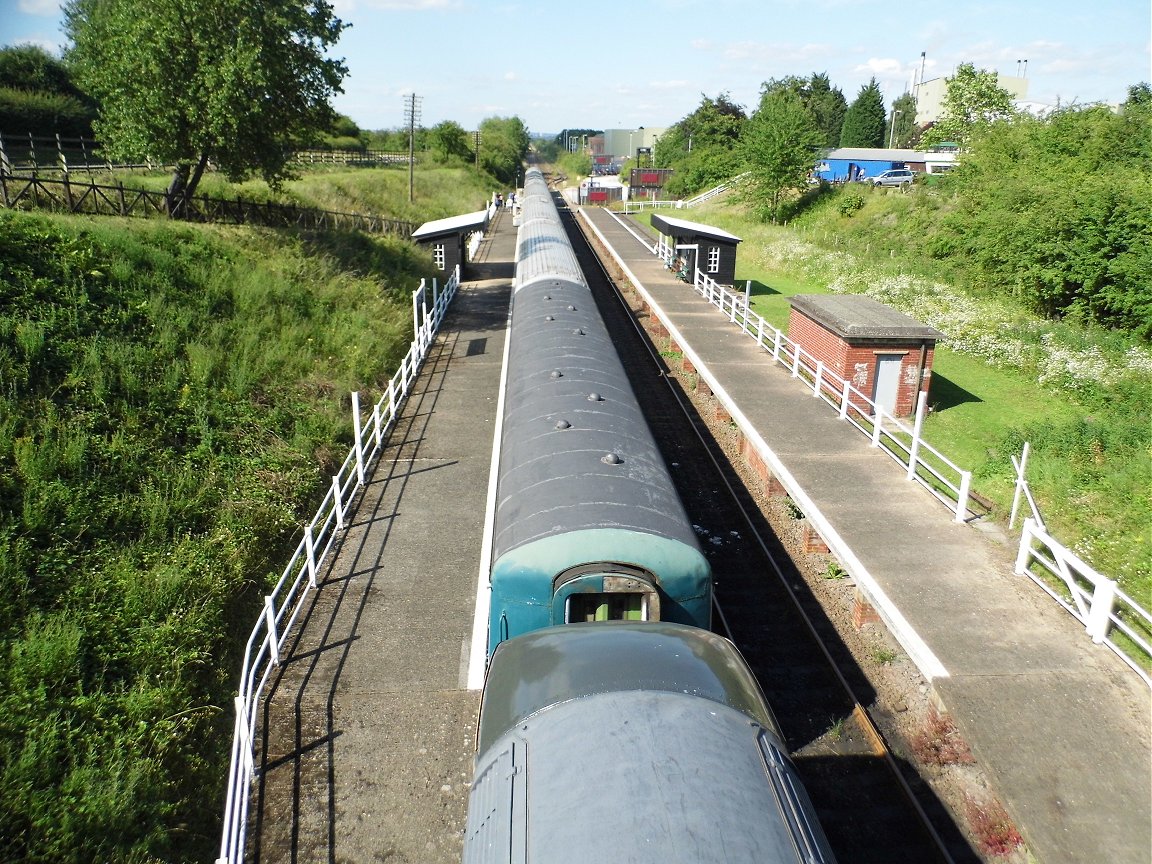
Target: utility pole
(412,112)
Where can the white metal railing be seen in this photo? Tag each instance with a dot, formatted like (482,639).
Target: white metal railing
(284,604)
(637,206)
(1091,598)
(945,480)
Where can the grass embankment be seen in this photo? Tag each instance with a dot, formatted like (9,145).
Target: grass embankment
(173,400)
(437,191)
(1002,376)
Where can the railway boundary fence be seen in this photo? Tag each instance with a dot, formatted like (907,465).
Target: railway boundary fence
(23,154)
(284,604)
(66,195)
(1110,616)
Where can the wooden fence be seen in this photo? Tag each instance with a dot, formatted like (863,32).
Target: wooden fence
(30,154)
(68,196)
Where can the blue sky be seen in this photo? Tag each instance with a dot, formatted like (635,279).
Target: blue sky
(632,63)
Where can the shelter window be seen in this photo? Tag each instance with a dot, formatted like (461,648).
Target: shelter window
(713,259)
(438,255)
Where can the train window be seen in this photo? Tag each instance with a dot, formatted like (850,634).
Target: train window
(605,592)
(606,607)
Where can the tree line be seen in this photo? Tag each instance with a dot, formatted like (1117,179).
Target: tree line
(1052,210)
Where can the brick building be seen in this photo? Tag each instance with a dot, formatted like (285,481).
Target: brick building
(884,354)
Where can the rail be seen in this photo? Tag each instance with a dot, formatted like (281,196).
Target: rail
(286,601)
(1091,598)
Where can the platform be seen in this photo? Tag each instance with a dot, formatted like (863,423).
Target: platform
(1061,724)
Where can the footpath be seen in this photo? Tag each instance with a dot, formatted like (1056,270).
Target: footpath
(1060,724)
(370,729)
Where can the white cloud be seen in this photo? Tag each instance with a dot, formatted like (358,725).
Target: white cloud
(881,67)
(45,8)
(668,85)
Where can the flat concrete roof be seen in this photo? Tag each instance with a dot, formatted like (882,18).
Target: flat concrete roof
(680,227)
(451,225)
(854,316)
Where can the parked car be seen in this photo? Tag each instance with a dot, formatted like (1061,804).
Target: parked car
(895,177)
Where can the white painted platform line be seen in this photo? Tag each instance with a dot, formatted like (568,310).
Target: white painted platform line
(926,661)
(478,652)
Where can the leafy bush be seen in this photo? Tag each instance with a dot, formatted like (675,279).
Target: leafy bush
(849,203)
(24,112)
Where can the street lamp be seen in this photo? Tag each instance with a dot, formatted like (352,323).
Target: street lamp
(892,129)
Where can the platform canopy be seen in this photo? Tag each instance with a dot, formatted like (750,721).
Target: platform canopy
(452,225)
(682,228)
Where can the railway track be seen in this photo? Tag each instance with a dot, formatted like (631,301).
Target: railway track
(873,807)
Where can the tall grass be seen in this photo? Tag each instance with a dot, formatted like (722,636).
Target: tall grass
(171,397)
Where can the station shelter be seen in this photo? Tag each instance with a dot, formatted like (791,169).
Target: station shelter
(881,352)
(448,238)
(713,248)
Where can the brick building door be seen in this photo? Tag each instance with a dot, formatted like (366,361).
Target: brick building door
(887,383)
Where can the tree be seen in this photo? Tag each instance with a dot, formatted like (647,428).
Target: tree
(902,130)
(193,81)
(825,102)
(864,121)
(703,148)
(450,140)
(973,100)
(38,96)
(503,146)
(780,145)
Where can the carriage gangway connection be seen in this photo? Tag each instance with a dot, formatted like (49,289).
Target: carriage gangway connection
(368,733)
(1060,723)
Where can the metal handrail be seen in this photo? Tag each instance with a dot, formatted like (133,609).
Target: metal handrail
(1088,596)
(903,443)
(286,601)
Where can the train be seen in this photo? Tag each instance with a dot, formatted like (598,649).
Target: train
(587,523)
(614,726)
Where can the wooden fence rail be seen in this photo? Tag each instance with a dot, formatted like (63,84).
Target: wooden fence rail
(68,196)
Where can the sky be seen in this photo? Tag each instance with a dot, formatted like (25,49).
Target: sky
(623,64)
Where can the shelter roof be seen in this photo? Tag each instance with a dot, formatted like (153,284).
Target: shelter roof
(451,225)
(855,316)
(681,227)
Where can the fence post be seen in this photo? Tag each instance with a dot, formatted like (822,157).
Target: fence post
(270,623)
(776,347)
(358,443)
(962,496)
(336,502)
(796,361)
(1100,615)
(416,313)
(1024,550)
(877,422)
(1020,467)
(310,551)
(819,377)
(5,166)
(914,449)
